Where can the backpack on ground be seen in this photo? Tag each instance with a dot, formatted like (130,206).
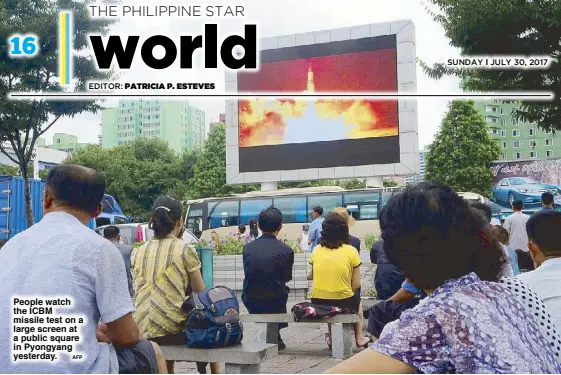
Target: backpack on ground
(213,319)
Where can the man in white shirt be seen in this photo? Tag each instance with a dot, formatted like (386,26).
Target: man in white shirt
(515,225)
(545,249)
(61,257)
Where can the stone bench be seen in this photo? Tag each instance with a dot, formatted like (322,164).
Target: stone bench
(245,358)
(342,331)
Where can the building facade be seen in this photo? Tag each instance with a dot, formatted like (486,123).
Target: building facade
(66,142)
(422,162)
(518,140)
(44,159)
(180,125)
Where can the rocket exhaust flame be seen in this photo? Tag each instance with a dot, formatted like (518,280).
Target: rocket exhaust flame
(272,122)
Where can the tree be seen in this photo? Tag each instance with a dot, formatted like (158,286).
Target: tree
(138,173)
(209,178)
(354,184)
(463,151)
(22,122)
(506,27)
(6,170)
(390,183)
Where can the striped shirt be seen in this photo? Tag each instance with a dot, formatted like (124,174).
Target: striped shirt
(160,271)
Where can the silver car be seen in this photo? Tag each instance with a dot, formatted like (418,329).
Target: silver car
(130,233)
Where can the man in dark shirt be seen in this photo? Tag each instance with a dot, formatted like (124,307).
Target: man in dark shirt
(113,234)
(387,279)
(547,201)
(267,264)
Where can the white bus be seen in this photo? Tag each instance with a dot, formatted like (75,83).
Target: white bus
(223,215)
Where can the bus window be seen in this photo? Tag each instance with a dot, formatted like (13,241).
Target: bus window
(327,202)
(362,206)
(224,214)
(250,209)
(293,209)
(194,220)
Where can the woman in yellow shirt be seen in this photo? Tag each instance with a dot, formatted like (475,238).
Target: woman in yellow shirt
(336,272)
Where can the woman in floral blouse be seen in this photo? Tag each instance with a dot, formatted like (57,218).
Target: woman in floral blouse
(469,322)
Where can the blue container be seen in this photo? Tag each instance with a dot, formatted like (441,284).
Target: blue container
(207,259)
(12,205)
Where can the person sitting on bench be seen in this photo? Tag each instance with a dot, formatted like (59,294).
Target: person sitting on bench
(336,272)
(164,269)
(267,264)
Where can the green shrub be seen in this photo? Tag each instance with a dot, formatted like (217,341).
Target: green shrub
(369,241)
(229,246)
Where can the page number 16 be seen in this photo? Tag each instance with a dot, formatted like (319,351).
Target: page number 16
(23,45)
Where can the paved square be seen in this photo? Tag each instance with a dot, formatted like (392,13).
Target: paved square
(306,351)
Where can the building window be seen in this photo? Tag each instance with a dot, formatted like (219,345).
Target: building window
(514,121)
(501,111)
(516,144)
(492,120)
(490,108)
(532,144)
(504,144)
(503,122)
(494,131)
(503,133)
(505,156)
(548,132)
(549,153)
(532,132)
(516,133)
(549,142)
(533,154)
(517,155)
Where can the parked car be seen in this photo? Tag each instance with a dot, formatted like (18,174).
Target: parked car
(130,233)
(526,189)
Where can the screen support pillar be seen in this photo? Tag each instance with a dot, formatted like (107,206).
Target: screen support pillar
(268,186)
(375,182)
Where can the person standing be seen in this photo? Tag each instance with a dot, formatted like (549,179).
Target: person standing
(545,249)
(267,264)
(303,239)
(501,235)
(242,234)
(515,225)
(353,241)
(547,201)
(253,230)
(61,257)
(113,235)
(315,228)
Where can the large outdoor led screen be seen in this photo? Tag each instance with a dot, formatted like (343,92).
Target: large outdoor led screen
(297,134)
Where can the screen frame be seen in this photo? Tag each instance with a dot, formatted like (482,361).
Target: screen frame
(404,32)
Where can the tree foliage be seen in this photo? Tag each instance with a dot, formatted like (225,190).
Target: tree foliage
(506,27)
(6,170)
(22,122)
(462,152)
(354,184)
(209,179)
(138,173)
